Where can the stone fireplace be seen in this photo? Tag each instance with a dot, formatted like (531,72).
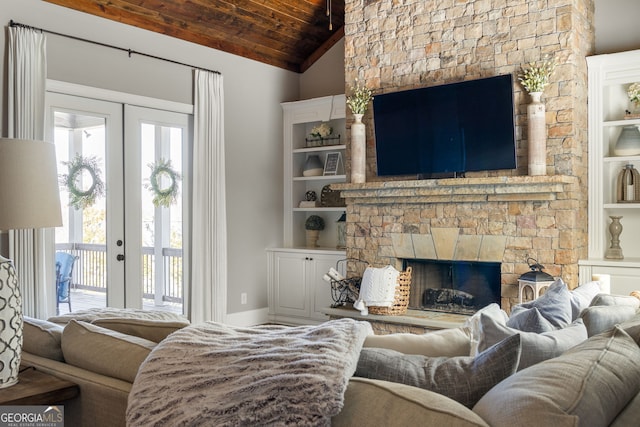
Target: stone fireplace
(502,216)
(500,219)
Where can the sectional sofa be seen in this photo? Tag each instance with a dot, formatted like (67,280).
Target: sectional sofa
(586,372)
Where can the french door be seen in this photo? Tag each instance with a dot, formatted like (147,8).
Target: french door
(121,172)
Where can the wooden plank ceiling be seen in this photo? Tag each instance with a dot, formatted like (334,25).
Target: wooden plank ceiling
(289,34)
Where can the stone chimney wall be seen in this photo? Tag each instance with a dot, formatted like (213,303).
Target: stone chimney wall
(393,45)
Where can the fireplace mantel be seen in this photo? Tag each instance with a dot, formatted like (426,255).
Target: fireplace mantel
(455,190)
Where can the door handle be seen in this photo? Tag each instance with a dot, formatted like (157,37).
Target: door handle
(120,257)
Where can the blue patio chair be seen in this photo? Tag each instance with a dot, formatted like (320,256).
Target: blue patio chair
(64,273)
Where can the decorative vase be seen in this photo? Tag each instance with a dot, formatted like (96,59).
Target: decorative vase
(358,151)
(628,185)
(313,166)
(312,238)
(10,324)
(615,229)
(628,143)
(537,135)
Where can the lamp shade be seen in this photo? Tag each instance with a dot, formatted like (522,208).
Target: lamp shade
(29,193)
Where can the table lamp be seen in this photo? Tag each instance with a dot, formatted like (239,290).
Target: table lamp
(29,198)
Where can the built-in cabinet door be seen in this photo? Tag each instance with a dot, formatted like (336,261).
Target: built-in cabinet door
(320,290)
(290,290)
(297,290)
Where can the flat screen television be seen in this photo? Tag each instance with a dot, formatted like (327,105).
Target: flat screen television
(447,130)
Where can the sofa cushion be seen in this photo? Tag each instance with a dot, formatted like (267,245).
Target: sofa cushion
(632,327)
(445,342)
(599,318)
(92,314)
(554,305)
(630,415)
(608,299)
(464,379)
(103,351)
(381,403)
(152,330)
(582,296)
(587,386)
(530,320)
(535,347)
(42,338)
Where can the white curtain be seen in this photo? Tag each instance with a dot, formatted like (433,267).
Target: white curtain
(208,272)
(31,250)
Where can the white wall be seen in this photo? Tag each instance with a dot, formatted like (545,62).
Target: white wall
(326,76)
(616,24)
(253,117)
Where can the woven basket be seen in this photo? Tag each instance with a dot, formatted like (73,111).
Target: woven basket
(401,301)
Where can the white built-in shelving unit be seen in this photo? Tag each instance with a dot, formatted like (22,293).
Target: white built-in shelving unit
(609,77)
(297,292)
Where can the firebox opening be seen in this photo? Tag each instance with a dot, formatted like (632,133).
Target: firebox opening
(462,287)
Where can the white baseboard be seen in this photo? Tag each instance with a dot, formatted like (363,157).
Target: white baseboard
(248,318)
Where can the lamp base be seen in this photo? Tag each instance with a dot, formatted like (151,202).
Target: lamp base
(10,324)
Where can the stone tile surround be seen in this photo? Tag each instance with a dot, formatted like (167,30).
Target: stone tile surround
(500,219)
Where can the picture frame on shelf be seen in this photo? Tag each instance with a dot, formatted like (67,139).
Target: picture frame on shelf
(332,163)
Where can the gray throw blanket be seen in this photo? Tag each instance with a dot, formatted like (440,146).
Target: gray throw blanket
(212,374)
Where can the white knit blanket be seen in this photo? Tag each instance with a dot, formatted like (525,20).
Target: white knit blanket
(212,374)
(378,288)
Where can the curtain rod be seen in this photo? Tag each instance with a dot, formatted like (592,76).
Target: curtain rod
(130,52)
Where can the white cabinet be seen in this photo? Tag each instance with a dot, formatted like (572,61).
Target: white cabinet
(625,276)
(299,119)
(609,77)
(297,293)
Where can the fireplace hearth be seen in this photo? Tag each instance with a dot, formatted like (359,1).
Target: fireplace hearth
(461,287)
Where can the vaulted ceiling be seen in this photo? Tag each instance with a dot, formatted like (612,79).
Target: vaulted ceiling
(287,34)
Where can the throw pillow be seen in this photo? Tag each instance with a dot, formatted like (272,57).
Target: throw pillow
(600,318)
(464,379)
(582,296)
(554,305)
(607,299)
(473,324)
(586,386)
(152,330)
(445,342)
(530,320)
(42,338)
(103,351)
(535,347)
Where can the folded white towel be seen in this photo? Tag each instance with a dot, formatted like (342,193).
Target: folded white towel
(377,288)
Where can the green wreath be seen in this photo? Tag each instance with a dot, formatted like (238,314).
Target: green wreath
(163,196)
(81,198)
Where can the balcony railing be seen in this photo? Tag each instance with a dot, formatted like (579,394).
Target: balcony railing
(90,270)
